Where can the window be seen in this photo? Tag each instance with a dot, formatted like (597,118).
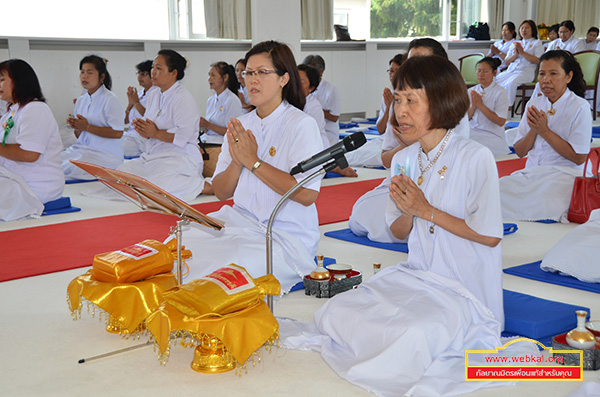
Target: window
(189,19)
(378,19)
(135,19)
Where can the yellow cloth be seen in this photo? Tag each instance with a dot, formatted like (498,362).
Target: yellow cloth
(136,262)
(242,332)
(127,303)
(226,290)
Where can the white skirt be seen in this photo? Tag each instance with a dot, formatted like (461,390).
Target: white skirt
(402,331)
(242,241)
(537,193)
(90,155)
(368,155)
(368,215)
(17,200)
(173,172)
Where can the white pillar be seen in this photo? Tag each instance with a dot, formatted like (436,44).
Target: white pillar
(278,20)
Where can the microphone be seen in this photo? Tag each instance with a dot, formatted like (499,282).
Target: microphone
(348,144)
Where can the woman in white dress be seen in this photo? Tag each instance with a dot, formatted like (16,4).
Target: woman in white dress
(260,149)
(30,164)
(97,122)
(133,143)
(172,159)
(500,48)
(489,108)
(393,334)
(220,108)
(568,41)
(554,134)
(522,60)
(368,215)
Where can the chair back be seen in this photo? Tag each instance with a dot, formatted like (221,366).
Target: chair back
(468,68)
(590,66)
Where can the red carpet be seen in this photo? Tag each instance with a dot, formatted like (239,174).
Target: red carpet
(64,246)
(507,167)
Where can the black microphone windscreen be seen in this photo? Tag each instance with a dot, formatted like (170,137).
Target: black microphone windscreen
(354,141)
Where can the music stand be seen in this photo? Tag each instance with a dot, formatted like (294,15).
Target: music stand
(150,197)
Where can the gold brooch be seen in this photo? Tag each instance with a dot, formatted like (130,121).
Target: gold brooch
(221,109)
(551,112)
(272,151)
(442,172)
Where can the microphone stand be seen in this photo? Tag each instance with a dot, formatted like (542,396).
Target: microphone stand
(338,159)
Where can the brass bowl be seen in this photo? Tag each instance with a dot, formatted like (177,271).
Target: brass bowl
(212,357)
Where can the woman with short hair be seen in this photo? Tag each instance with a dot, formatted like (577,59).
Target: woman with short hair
(447,296)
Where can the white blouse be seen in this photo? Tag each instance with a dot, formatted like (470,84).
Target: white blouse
(572,121)
(483,130)
(313,109)
(101,109)
(219,109)
(531,46)
(175,111)
(285,137)
(35,130)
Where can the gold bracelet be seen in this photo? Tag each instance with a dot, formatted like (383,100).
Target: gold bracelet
(256,165)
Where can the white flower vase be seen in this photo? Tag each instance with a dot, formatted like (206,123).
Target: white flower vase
(581,337)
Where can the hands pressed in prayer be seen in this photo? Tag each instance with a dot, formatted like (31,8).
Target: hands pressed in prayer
(242,144)
(409,198)
(146,128)
(537,120)
(495,49)
(388,97)
(78,123)
(518,47)
(132,96)
(476,99)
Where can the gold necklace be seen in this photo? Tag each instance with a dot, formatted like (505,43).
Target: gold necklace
(424,170)
(551,111)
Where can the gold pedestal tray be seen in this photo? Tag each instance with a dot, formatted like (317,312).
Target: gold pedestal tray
(212,357)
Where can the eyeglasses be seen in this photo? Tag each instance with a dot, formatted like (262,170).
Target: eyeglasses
(260,73)
(142,73)
(391,71)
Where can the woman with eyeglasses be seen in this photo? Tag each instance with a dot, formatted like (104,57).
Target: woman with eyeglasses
(30,164)
(97,122)
(259,150)
(133,143)
(554,134)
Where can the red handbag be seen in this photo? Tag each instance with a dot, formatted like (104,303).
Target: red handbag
(586,191)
